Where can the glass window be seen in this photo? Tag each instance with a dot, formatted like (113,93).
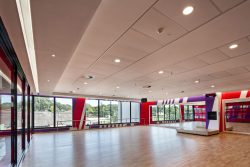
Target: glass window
(125,112)
(172,112)
(188,112)
(167,112)
(154,113)
(44,112)
(186,116)
(5,113)
(91,112)
(161,113)
(135,112)
(191,113)
(19,118)
(104,112)
(63,112)
(115,112)
(177,107)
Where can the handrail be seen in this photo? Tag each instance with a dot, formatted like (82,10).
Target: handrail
(89,122)
(74,123)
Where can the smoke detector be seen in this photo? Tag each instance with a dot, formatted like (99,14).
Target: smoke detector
(147,86)
(88,76)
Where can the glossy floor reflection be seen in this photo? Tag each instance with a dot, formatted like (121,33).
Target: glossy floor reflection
(145,146)
(5,151)
(185,125)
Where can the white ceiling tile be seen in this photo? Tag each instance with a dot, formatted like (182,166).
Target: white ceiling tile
(212,56)
(220,74)
(243,48)
(153,20)
(238,70)
(192,63)
(105,68)
(248,67)
(175,69)
(203,11)
(224,5)
(139,41)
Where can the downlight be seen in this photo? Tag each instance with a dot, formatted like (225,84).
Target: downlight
(233,46)
(188,10)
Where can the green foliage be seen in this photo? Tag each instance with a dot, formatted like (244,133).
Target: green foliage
(47,104)
(5,106)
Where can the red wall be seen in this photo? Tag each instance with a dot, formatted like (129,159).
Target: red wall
(228,95)
(144,114)
(78,105)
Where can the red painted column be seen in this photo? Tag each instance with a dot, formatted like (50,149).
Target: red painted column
(78,105)
(146,112)
(182,113)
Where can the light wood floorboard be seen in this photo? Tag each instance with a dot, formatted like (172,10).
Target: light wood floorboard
(144,146)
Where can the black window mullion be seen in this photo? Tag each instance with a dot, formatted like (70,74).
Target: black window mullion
(110,113)
(174,112)
(169,112)
(130,112)
(14,116)
(28,110)
(121,111)
(23,114)
(54,109)
(98,112)
(164,113)
(158,116)
(33,113)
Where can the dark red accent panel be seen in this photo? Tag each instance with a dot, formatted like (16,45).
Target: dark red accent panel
(248,93)
(144,114)
(231,95)
(182,113)
(78,105)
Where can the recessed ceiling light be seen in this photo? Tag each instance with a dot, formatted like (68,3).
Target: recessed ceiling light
(48,80)
(117,60)
(233,46)
(212,86)
(85,83)
(117,87)
(53,55)
(197,81)
(188,10)
(73,91)
(150,91)
(161,72)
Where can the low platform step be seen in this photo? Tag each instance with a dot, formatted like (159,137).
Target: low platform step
(203,132)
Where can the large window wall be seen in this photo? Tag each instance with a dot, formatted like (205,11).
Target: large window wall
(115,112)
(92,112)
(52,112)
(44,112)
(135,112)
(64,114)
(111,112)
(105,112)
(125,112)
(165,112)
(14,113)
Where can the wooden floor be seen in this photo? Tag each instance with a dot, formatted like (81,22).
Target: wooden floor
(239,127)
(145,146)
